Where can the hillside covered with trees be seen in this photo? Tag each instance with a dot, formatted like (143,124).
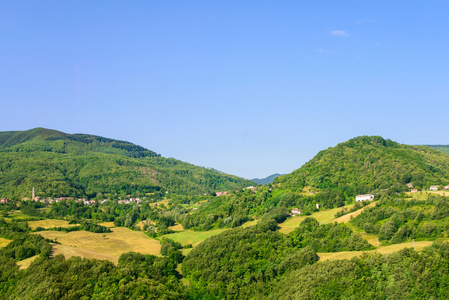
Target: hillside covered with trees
(57,164)
(369,164)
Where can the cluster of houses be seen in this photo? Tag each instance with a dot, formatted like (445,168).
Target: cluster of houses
(251,188)
(130,201)
(56,200)
(431,188)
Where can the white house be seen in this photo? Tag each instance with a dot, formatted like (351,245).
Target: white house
(295,211)
(364,197)
(433,188)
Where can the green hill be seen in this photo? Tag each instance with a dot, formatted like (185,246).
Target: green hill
(57,164)
(368,164)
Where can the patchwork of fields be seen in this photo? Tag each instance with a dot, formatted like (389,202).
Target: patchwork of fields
(111,245)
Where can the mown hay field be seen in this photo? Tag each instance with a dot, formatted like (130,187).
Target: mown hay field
(4,242)
(49,223)
(24,264)
(102,245)
(382,249)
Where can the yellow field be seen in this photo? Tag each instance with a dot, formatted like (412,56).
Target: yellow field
(382,249)
(4,242)
(176,227)
(49,223)
(24,264)
(165,202)
(250,223)
(107,224)
(346,218)
(192,237)
(102,245)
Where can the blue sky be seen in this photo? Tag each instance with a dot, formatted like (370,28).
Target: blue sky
(250,88)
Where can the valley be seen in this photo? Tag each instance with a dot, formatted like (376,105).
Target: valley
(198,233)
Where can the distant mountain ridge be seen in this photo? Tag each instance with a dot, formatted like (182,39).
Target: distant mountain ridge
(442,148)
(266,180)
(58,164)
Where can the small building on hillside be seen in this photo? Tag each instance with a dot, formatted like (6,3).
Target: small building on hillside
(413,190)
(364,197)
(433,188)
(446,187)
(4,201)
(295,211)
(409,185)
(221,193)
(252,188)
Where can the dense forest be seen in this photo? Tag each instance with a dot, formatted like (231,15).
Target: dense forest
(79,165)
(369,164)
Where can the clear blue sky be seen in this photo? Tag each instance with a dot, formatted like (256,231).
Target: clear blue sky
(250,88)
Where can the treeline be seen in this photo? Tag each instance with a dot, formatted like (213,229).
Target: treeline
(331,237)
(242,263)
(406,274)
(85,225)
(137,276)
(23,244)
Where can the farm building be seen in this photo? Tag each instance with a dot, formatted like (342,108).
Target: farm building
(295,211)
(433,188)
(364,197)
(221,193)
(413,190)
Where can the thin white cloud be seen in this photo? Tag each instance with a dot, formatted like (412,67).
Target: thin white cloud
(361,21)
(340,33)
(327,51)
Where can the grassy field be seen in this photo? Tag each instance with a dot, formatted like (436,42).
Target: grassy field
(102,245)
(322,216)
(176,227)
(346,218)
(382,249)
(192,237)
(49,223)
(107,224)
(4,242)
(24,264)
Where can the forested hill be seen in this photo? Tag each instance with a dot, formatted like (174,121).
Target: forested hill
(41,138)
(370,163)
(57,164)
